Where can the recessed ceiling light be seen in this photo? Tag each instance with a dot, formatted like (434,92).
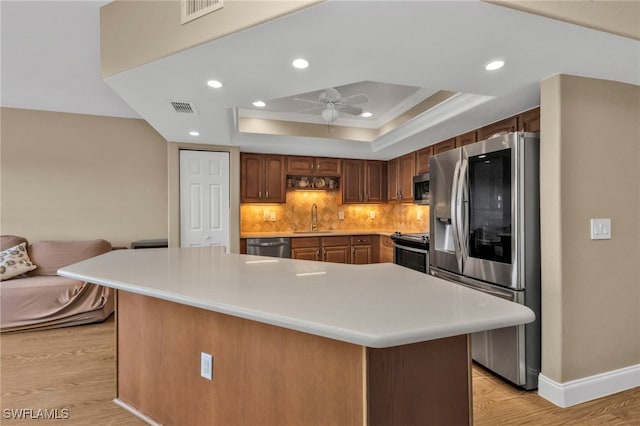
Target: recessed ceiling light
(259,104)
(194,133)
(366,114)
(300,63)
(214,83)
(494,65)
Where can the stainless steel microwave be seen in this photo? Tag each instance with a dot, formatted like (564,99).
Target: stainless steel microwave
(421,193)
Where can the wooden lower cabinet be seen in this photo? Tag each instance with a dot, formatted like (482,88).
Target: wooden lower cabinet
(306,253)
(305,248)
(336,249)
(336,254)
(386,249)
(355,249)
(323,249)
(361,253)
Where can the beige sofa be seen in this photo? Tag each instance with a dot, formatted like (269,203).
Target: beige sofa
(39,298)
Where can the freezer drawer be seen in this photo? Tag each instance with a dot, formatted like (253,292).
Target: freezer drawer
(511,352)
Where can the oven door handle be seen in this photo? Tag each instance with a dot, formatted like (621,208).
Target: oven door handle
(415,250)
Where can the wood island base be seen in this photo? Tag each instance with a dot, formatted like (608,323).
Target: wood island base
(267,375)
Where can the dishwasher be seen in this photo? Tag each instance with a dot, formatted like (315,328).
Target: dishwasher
(274,247)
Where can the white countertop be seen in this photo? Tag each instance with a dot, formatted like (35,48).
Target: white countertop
(378,305)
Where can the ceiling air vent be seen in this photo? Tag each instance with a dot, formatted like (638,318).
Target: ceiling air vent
(192,9)
(183,107)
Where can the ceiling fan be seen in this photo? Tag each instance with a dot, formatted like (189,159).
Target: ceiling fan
(330,103)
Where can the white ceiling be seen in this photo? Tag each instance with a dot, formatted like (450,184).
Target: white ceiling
(50,60)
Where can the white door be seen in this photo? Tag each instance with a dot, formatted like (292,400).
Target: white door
(204,198)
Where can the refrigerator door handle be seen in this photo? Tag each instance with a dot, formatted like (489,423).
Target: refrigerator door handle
(454,213)
(462,209)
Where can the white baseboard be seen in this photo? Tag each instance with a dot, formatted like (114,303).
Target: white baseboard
(583,390)
(136,413)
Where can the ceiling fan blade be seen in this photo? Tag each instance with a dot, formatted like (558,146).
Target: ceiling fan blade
(349,109)
(308,100)
(355,99)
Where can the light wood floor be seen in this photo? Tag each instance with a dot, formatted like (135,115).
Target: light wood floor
(73,368)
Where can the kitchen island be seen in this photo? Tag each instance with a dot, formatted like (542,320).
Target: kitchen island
(293,342)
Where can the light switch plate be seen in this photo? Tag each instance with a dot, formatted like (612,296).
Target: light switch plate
(600,229)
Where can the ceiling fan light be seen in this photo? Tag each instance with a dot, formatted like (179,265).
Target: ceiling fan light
(329,114)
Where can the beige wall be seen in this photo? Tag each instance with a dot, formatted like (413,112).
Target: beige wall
(136,32)
(590,168)
(73,176)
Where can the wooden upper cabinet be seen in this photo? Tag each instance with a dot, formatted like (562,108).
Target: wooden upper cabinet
(275,188)
(393,189)
(262,178)
(503,126)
(375,181)
(352,181)
(401,171)
(444,146)
(529,121)
(251,177)
(310,166)
(406,172)
(364,181)
(466,139)
(300,165)
(328,166)
(422,159)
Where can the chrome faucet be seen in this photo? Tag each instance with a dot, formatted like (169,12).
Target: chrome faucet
(314,217)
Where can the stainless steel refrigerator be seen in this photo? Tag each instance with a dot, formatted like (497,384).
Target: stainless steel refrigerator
(485,234)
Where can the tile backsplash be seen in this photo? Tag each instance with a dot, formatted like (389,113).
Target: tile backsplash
(295,214)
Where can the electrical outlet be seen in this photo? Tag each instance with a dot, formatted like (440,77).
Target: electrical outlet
(372,214)
(341,215)
(419,215)
(273,216)
(266,215)
(206,365)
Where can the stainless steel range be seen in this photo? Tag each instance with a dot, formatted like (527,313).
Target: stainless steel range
(411,250)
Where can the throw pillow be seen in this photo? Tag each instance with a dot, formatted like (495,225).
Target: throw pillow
(15,261)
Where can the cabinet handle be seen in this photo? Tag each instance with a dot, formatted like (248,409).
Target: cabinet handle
(260,194)
(267,195)
(318,254)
